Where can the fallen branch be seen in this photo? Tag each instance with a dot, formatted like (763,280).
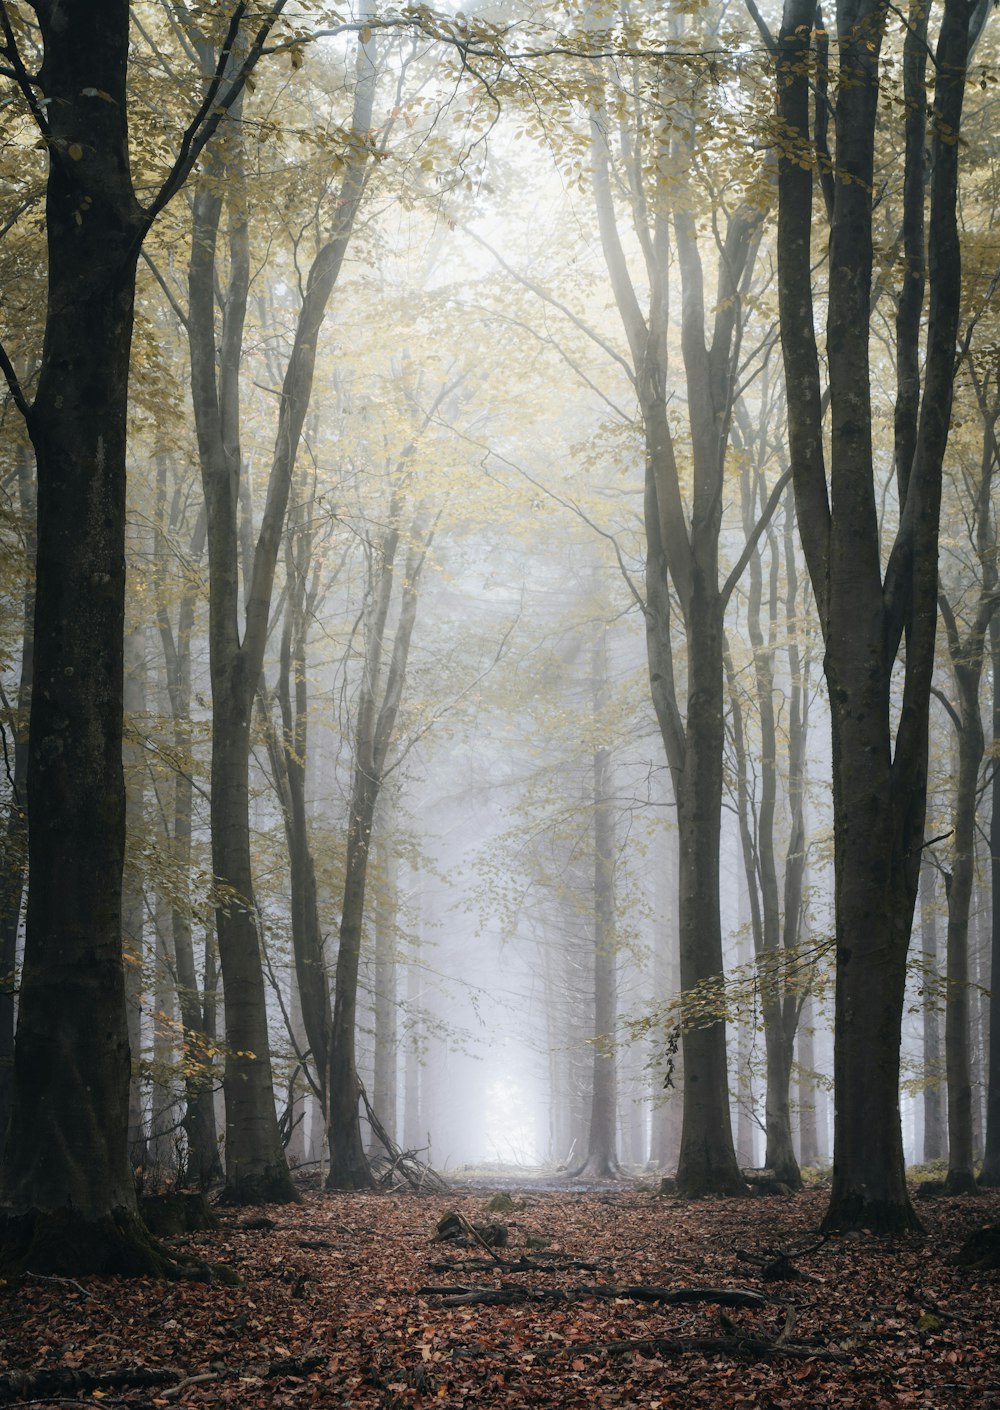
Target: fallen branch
(752,1347)
(776,1263)
(527,1263)
(416,1173)
(463,1296)
(55,1381)
(454,1224)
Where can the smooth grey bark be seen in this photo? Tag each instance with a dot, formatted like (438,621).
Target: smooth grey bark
(601,1158)
(989,1175)
(966,639)
(288,748)
(164,1122)
(204,1165)
(665,1133)
(380,695)
(682,555)
(807,1091)
(879,771)
(935,1146)
(133,898)
(414,1125)
(386,1042)
(255,1163)
(966,655)
(775,929)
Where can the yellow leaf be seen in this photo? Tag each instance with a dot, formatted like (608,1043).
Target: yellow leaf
(75,151)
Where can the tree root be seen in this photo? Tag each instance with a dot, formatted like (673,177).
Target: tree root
(63,1242)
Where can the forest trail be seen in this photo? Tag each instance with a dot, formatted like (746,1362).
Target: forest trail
(611,1298)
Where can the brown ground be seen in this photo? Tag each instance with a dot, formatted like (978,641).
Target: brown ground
(331,1313)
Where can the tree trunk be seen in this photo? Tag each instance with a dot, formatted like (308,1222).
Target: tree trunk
(414,1124)
(958,885)
(989,1175)
(879,770)
(133,897)
(601,1161)
(384,1083)
(807,1092)
(14,868)
(66,1186)
(349,1168)
(707,1162)
(933,1096)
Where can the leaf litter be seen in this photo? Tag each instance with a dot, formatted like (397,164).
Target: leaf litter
(605,1298)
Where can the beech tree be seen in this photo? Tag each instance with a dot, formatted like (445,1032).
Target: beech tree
(867,614)
(683,526)
(66,1187)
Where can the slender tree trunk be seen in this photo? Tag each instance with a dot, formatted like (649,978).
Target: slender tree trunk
(133,897)
(958,884)
(808,1133)
(14,864)
(384,1083)
(707,1162)
(989,1175)
(349,1167)
(413,1116)
(601,1161)
(164,1132)
(933,1096)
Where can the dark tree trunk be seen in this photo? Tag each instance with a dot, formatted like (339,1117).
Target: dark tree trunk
(879,773)
(349,1168)
(66,1186)
(67,1189)
(14,865)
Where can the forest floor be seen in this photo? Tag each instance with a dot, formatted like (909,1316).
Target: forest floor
(346,1301)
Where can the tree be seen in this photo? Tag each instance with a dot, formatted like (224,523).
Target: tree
(255,1163)
(601,1159)
(380,695)
(14,852)
(683,538)
(66,1187)
(966,652)
(879,765)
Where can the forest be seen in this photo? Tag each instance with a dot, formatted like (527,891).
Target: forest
(499,696)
